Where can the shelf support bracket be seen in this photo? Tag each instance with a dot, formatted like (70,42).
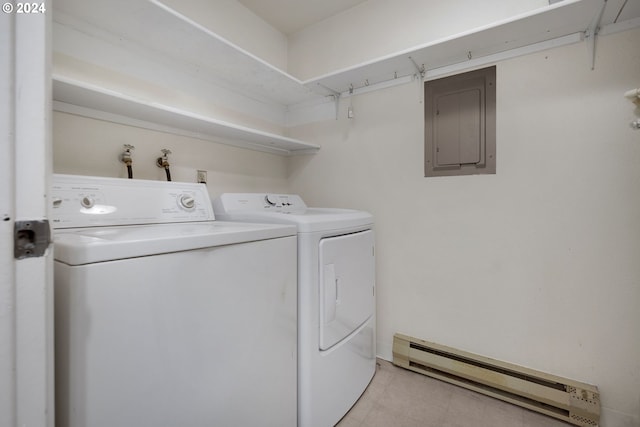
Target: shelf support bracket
(592,34)
(422,72)
(419,68)
(336,96)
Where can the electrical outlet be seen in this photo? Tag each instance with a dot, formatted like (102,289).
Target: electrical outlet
(201,177)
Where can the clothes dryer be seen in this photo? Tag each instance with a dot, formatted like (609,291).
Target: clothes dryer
(336,298)
(166,317)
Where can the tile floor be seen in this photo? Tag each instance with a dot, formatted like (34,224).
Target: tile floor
(397,397)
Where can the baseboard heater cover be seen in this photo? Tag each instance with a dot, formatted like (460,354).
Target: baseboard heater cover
(571,401)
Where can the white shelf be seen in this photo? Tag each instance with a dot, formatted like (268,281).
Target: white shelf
(150,29)
(165,32)
(96,102)
(561,23)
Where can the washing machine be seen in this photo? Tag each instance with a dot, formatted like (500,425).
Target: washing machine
(165,316)
(336,298)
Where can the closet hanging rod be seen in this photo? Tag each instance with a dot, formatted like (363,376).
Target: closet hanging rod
(369,87)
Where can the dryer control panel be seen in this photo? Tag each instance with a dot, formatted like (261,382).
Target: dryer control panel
(259,202)
(84,201)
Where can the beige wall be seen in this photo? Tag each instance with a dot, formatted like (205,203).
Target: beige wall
(83,146)
(537,265)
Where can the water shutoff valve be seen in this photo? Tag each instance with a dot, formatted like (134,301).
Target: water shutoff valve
(126,154)
(163,162)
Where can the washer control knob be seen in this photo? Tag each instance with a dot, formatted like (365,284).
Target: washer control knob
(187,202)
(87,202)
(269,200)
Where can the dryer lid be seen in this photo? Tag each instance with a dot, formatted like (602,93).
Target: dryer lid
(287,209)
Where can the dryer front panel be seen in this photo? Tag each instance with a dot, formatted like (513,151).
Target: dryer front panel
(347,281)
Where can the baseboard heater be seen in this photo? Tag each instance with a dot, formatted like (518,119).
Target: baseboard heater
(571,401)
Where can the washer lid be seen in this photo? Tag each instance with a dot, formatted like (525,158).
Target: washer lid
(78,246)
(287,209)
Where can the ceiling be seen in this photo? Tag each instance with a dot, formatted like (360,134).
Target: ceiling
(289,16)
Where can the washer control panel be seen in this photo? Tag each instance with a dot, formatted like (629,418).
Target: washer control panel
(84,201)
(259,202)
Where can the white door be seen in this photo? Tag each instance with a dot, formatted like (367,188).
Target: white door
(347,281)
(26,326)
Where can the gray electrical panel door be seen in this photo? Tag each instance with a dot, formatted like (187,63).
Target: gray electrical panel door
(458,128)
(460,124)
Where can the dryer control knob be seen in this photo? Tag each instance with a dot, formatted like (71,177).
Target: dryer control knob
(270,202)
(87,202)
(187,202)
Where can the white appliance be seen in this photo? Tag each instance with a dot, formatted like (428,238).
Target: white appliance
(165,317)
(336,298)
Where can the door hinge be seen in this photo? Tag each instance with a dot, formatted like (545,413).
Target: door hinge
(31,238)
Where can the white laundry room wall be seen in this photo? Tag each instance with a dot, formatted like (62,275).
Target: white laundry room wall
(85,146)
(536,265)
